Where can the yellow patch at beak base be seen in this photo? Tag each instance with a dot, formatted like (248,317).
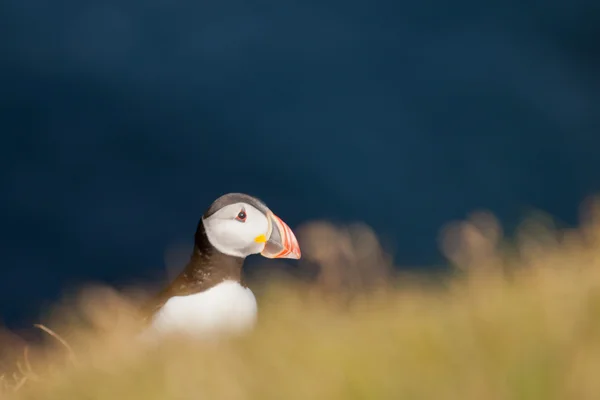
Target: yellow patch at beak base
(260,239)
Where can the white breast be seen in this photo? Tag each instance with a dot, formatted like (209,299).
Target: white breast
(223,309)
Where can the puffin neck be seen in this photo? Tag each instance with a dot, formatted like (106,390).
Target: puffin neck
(208,266)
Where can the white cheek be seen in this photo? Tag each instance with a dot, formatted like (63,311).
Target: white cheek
(231,234)
(237,238)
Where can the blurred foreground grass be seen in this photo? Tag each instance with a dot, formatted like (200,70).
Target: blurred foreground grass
(515,319)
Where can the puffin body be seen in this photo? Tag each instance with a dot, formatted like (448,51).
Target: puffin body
(210,296)
(227,307)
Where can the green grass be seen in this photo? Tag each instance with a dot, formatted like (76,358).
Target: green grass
(515,321)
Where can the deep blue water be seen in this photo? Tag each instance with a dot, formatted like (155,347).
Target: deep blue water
(121,121)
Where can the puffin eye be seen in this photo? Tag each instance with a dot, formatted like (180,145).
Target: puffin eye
(241,216)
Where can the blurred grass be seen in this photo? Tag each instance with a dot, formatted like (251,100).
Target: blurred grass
(513,319)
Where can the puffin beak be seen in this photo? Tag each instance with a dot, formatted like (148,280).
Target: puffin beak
(281,242)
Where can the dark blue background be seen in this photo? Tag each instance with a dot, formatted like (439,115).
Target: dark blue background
(121,121)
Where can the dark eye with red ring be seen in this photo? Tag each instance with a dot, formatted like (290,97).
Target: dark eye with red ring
(241,216)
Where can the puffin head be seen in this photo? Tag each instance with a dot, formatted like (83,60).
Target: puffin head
(239,225)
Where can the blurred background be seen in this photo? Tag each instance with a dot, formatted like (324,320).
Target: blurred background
(121,121)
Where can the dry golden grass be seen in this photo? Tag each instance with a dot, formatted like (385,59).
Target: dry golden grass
(518,320)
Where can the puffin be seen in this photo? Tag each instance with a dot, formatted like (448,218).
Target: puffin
(210,297)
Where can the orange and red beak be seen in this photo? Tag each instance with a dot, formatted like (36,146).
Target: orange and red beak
(281,242)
